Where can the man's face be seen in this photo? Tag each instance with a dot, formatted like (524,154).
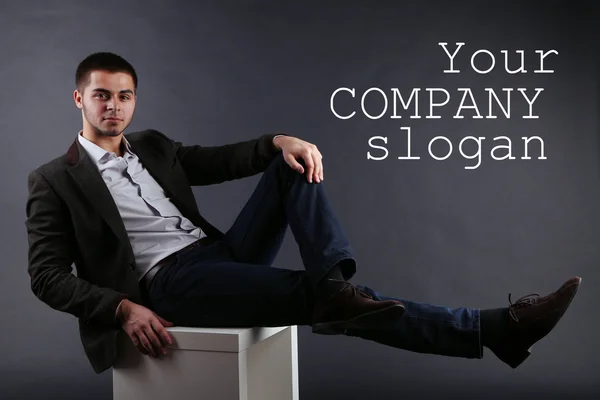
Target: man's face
(108,102)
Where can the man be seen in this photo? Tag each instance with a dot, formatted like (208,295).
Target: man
(121,208)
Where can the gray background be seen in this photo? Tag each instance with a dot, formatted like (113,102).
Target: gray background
(426,230)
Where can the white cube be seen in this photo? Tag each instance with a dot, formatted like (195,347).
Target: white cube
(212,364)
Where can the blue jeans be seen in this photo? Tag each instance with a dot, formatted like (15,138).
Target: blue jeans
(230,282)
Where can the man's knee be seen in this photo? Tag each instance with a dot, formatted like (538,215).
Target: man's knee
(280,163)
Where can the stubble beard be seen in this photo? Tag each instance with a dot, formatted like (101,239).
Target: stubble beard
(98,130)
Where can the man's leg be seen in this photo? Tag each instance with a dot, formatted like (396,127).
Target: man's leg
(284,198)
(206,287)
(427,328)
(509,332)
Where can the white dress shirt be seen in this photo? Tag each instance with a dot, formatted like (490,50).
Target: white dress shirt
(156,228)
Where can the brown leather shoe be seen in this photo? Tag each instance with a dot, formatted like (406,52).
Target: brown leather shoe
(348,307)
(531,318)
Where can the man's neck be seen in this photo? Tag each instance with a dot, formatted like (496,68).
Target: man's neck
(113,144)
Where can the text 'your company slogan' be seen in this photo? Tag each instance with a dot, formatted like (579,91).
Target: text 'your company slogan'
(395,104)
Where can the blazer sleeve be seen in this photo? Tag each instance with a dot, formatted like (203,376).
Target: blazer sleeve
(51,257)
(210,165)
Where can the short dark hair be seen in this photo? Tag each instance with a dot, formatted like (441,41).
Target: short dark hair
(103,61)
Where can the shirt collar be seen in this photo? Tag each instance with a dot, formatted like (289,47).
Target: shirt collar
(95,152)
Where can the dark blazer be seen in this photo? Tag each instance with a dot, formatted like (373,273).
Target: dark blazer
(72,218)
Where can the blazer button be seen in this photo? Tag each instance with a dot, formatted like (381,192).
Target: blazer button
(132,266)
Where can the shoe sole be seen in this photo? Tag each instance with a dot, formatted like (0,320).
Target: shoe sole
(371,320)
(518,358)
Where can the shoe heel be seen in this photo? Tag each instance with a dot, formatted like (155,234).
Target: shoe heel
(516,359)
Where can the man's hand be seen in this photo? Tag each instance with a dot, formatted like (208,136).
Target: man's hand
(145,328)
(293,148)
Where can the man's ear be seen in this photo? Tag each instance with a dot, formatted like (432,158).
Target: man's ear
(78,98)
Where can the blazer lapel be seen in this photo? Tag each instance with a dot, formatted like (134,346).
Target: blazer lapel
(162,171)
(87,176)
(165,170)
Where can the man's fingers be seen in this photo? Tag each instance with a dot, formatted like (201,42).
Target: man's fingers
(318,166)
(145,343)
(157,346)
(162,333)
(291,160)
(309,153)
(310,165)
(141,349)
(321,175)
(136,342)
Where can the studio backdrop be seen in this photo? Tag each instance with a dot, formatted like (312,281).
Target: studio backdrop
(460,147)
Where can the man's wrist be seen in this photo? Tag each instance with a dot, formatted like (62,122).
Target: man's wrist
(276,142)
(119,310)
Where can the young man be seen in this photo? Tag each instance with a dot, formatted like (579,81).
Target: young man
(122,209)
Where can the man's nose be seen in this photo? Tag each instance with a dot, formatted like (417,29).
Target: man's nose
(112,105)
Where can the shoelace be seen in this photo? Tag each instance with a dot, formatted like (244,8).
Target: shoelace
(521,302)
(354,289)
(357,291)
